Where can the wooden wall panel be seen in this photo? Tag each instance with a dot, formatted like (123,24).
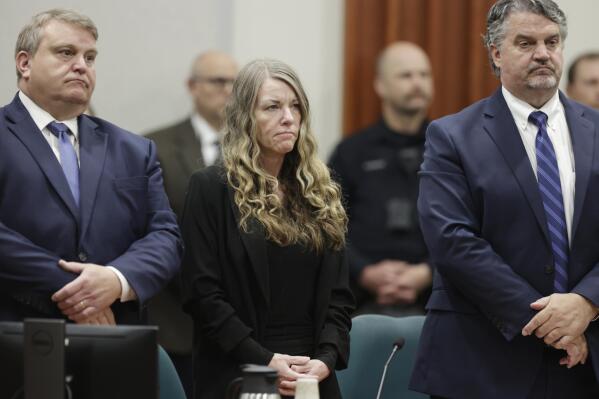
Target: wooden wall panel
(364,37)
(448,30)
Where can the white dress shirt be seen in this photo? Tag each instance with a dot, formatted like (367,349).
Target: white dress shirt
(41,119)
(557,129)
(209,138)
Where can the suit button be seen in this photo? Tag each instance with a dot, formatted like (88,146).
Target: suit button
(549,269)
(82,256)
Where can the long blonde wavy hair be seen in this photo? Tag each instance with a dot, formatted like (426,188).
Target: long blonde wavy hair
(311,213)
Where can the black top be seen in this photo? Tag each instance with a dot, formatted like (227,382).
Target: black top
(293,270)
(293,273)
(377,169)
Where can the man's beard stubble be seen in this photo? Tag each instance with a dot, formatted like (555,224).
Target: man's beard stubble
(403,108)
(542,81)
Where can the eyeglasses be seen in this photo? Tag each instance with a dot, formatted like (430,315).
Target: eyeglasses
(218,82)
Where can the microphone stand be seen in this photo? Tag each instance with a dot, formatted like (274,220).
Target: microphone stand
(396,346)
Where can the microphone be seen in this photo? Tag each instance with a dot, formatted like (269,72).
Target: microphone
(397,345)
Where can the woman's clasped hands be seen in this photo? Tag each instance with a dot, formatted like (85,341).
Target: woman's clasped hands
(290,368)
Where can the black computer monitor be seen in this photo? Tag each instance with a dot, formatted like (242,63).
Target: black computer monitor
(100,361)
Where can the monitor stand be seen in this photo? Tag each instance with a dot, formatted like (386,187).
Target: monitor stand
(44,358)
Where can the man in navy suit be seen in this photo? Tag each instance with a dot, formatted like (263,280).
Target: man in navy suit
(509,196)
(86,230)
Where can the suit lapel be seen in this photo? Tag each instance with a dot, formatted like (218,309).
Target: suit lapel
(22,126)
(255,245)
(582,133)
(189,149)
(92,154)
(499,124)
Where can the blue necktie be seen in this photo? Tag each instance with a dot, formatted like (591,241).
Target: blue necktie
(68,157)
(551,194)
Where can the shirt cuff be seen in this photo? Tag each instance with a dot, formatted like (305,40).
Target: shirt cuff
(127,293)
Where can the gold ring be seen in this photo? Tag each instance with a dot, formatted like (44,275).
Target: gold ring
(82,304)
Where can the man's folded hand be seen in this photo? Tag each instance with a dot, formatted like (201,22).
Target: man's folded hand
(560,316)
(95,289)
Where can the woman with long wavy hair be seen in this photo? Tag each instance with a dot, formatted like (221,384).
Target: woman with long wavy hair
(264,275)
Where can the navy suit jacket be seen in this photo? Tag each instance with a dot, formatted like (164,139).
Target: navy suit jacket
(483,220)
(124,219)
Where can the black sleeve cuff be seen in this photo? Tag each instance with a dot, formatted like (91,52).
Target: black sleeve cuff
(250,351)
(356,262)
(327,354)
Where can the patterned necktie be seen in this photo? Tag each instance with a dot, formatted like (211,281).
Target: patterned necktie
(551,194)
(68,156)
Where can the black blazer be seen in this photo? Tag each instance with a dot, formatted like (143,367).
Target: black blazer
(226,286)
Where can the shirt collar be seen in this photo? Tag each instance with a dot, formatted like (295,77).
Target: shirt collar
(204,131)
(41,118)
(521,109)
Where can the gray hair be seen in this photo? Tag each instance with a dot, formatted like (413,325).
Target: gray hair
(502,9)
(30,36)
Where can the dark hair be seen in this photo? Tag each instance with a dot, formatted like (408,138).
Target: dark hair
(590,56)
(502,9)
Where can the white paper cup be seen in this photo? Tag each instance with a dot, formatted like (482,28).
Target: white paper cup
(306,388)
